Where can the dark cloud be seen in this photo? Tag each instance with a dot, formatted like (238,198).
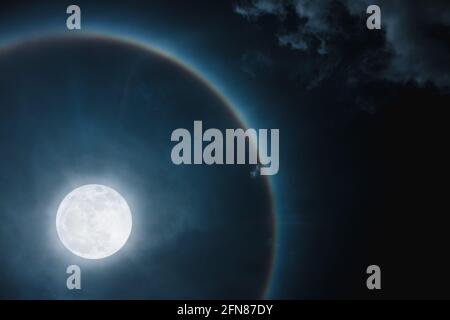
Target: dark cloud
(413,44)
(419,35)
(254,62)
(261,7)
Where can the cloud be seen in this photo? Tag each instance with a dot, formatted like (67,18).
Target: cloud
(255,62)
(414,43)
(261,7)
(419,35)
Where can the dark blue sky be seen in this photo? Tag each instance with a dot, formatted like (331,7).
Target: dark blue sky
(348,106)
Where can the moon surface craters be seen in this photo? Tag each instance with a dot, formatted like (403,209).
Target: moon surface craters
(94,221)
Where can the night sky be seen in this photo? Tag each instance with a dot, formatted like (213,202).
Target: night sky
(363,136)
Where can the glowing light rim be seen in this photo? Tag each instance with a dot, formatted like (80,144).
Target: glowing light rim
(11,44)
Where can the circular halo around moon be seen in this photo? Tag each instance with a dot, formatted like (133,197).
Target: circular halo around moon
(94,221)
(145,92)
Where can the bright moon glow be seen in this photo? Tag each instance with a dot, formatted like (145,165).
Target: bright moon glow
(93,221)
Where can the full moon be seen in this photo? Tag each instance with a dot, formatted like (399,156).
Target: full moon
(93,221)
